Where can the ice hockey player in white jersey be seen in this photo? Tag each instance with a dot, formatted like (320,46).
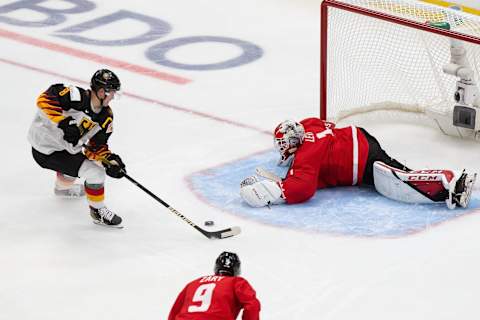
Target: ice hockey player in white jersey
(69,135)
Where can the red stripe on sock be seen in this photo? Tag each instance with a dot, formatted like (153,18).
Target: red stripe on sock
(94,192)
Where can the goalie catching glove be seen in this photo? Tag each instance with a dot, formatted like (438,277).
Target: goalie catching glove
(260,193)
(114,166)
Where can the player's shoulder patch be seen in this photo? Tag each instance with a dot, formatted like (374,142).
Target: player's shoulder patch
(75,94)
(68,92)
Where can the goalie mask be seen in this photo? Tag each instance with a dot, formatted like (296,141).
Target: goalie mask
(288,136)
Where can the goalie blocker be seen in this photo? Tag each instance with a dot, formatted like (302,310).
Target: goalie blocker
(261,193)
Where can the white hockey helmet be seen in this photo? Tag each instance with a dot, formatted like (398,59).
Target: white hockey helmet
(287,137)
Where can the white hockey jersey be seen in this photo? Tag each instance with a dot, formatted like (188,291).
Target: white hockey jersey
(55,104)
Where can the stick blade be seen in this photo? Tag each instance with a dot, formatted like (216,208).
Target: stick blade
(233,231)
(222,234)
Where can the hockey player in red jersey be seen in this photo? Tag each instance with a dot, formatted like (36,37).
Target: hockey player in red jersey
(218,297)
(320,155)
(69,118)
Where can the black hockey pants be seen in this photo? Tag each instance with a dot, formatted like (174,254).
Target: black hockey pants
(60,161)
(376,153)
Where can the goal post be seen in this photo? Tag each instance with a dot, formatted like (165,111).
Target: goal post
(392,55)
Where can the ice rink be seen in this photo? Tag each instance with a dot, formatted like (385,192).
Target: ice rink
(205,83)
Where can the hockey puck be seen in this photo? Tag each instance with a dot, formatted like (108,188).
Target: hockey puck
(208,223)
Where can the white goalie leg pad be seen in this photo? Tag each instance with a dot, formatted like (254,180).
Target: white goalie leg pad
(261,193)
(423,186)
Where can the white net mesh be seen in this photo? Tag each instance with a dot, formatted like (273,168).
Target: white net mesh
(379,65)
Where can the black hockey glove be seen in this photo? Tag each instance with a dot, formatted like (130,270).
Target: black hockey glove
(115,167)
(71,132)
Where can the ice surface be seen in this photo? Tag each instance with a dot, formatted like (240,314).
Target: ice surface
(191,144)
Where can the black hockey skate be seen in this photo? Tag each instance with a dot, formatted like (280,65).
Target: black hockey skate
(105,217)
(463,189)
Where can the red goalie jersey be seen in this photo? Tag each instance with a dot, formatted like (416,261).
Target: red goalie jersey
(328,157)
(216,297)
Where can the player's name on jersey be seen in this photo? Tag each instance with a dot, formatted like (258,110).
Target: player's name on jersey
(211,278)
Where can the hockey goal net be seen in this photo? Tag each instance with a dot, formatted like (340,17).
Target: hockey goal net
(384,55)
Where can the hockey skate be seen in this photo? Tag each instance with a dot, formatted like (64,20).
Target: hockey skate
(463,191)
(73,191)
(105,217)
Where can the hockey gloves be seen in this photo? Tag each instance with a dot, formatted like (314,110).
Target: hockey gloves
(71,132)
(115,167)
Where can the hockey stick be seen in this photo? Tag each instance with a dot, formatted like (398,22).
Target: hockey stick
(261,172)
(220,234)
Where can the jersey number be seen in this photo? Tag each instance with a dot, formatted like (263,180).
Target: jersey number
(64,91)
(203,294)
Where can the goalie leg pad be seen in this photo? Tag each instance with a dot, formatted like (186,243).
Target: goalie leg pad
(423,186)
(262,193)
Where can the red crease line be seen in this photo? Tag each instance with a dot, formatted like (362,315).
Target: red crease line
(93,57)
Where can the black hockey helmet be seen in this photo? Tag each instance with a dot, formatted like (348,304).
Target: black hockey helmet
(227,263)
(105,79)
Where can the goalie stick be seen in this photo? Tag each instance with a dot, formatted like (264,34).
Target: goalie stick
(220,234)
(261,172)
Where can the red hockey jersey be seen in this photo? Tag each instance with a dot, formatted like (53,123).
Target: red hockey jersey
(216,298)
(328,157)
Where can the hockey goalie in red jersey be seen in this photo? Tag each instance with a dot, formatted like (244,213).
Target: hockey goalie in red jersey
(320,155)
(218,297)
